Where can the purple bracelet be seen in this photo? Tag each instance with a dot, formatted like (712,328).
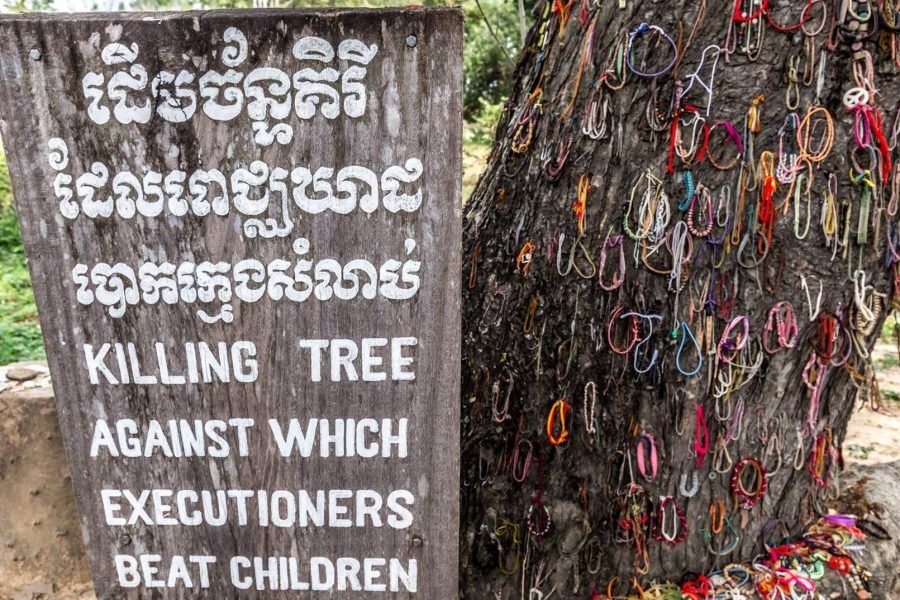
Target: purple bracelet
(639,31)
(843,520)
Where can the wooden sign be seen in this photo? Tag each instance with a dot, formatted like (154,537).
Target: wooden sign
(243,231)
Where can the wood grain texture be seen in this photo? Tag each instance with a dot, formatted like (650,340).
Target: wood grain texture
(414,110)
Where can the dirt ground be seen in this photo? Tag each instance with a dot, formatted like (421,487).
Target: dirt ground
(41,553)
(874,437)
(41,550)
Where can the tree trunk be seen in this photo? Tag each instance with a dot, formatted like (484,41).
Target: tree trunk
(568,513)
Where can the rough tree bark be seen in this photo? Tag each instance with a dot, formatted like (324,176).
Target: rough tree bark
(533,336)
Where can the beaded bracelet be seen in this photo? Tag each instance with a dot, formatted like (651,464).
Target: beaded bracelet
(679,531)
(729,573)
(536,513)
(753,41)
(701,198)
(787,154)
(639,32)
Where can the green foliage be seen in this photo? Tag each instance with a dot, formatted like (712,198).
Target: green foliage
(859,452)
(888,361)
(476,147)
(890,396)
(150,5)
(20,334)
(483,124)
(487,71)
(26,5)
(890,328)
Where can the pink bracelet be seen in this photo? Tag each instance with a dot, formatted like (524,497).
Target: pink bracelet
(727,344)
(642,460)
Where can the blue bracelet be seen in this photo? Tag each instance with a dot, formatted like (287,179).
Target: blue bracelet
(689,191)
(685,334)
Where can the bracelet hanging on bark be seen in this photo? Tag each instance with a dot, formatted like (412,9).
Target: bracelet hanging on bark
(749,497)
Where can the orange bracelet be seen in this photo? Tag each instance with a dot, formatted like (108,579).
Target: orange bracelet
(526,255)
(609,587)
(717,516)
(560,410)
(580,206)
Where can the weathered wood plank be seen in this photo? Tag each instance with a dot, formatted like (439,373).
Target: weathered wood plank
(218,249)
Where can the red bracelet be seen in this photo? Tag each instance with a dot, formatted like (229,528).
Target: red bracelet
(658,530)
(701,436)
(635,331)
(741,17)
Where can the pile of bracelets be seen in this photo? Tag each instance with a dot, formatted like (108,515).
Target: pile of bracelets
(681,255)
(792,568)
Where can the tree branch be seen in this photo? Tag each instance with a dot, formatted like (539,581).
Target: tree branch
(493,34)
